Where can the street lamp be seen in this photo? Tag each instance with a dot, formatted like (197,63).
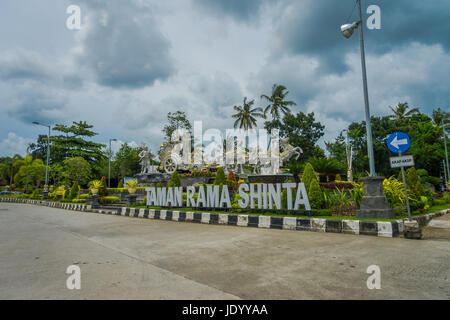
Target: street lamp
(109,163)
(347,31)
(45,193)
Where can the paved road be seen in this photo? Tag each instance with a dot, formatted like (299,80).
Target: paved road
(131,258)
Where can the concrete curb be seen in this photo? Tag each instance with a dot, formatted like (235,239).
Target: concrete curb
(388,229)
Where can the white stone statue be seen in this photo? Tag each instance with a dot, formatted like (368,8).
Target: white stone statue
(145,161)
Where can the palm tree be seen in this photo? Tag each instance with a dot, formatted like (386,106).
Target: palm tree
(401,113)
(440,117)
(246,116)
(277,102)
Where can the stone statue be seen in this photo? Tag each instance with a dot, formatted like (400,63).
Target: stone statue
(145,160)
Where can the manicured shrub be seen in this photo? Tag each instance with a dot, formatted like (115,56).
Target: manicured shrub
(108,200)
(84,196)
(102,189)
(120,185)
(315,195)
(308,175)
(175,180)
(74,190)
(78,200)
(220,177)
(231,180)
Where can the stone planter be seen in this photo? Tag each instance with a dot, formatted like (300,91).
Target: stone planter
(94,191)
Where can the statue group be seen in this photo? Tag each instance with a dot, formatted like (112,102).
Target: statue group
(170,161)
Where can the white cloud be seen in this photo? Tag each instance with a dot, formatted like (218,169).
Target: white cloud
(14,144)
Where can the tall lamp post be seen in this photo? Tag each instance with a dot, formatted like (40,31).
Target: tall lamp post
(45,193)
(446,152)
(347,31)
(109,163)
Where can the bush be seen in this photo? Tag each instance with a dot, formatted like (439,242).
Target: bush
(231,180)
(175,180)
(446,197)
(84,196)
(78,200)
(108,200)
(74,191)
(102,190)
(308,175)
(315,195)
(220,177)
(120,185)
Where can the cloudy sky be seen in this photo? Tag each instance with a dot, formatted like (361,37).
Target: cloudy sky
(134,61)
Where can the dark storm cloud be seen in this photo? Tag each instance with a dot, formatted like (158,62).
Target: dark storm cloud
(123,45)
(311,27)
(37,104)
(239,9)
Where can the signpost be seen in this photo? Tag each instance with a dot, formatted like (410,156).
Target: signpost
(399,142)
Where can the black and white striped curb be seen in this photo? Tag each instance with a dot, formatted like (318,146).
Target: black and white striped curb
(357,227)
(66,206)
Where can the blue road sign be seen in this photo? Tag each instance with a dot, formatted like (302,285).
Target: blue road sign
(398,142)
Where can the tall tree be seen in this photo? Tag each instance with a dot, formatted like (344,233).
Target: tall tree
(246,115)
(303,131)
(73,141)
(277,102)
(401,112)
(126,162)
(177,120)
(440,117)
(77,169)
(31,172)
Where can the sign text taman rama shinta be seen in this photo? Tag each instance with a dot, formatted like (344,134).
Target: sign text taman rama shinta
(264,196)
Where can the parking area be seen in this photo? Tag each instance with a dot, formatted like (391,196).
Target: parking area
(129,258)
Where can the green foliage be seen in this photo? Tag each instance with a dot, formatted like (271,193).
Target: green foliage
(74,190)
(120,185)
(277,102)
(246,115)
(303,131)
(231,180)
(29,172)
(327,166)
(108,200)
(73,141)
(220,177)
(446,197)
(315,195)
(177,120)
(308,175)
(175,180)
(126,162)
(76,169)
(103,190)
(394,191)
(84,196)
(82,201)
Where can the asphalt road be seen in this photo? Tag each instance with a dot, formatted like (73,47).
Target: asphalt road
(131,258)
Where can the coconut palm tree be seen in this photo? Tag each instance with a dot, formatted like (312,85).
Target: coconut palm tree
(401,112)
(277,102)
(246,115)
(440,117)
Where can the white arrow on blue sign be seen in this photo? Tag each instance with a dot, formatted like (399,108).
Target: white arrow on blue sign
(398,142)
